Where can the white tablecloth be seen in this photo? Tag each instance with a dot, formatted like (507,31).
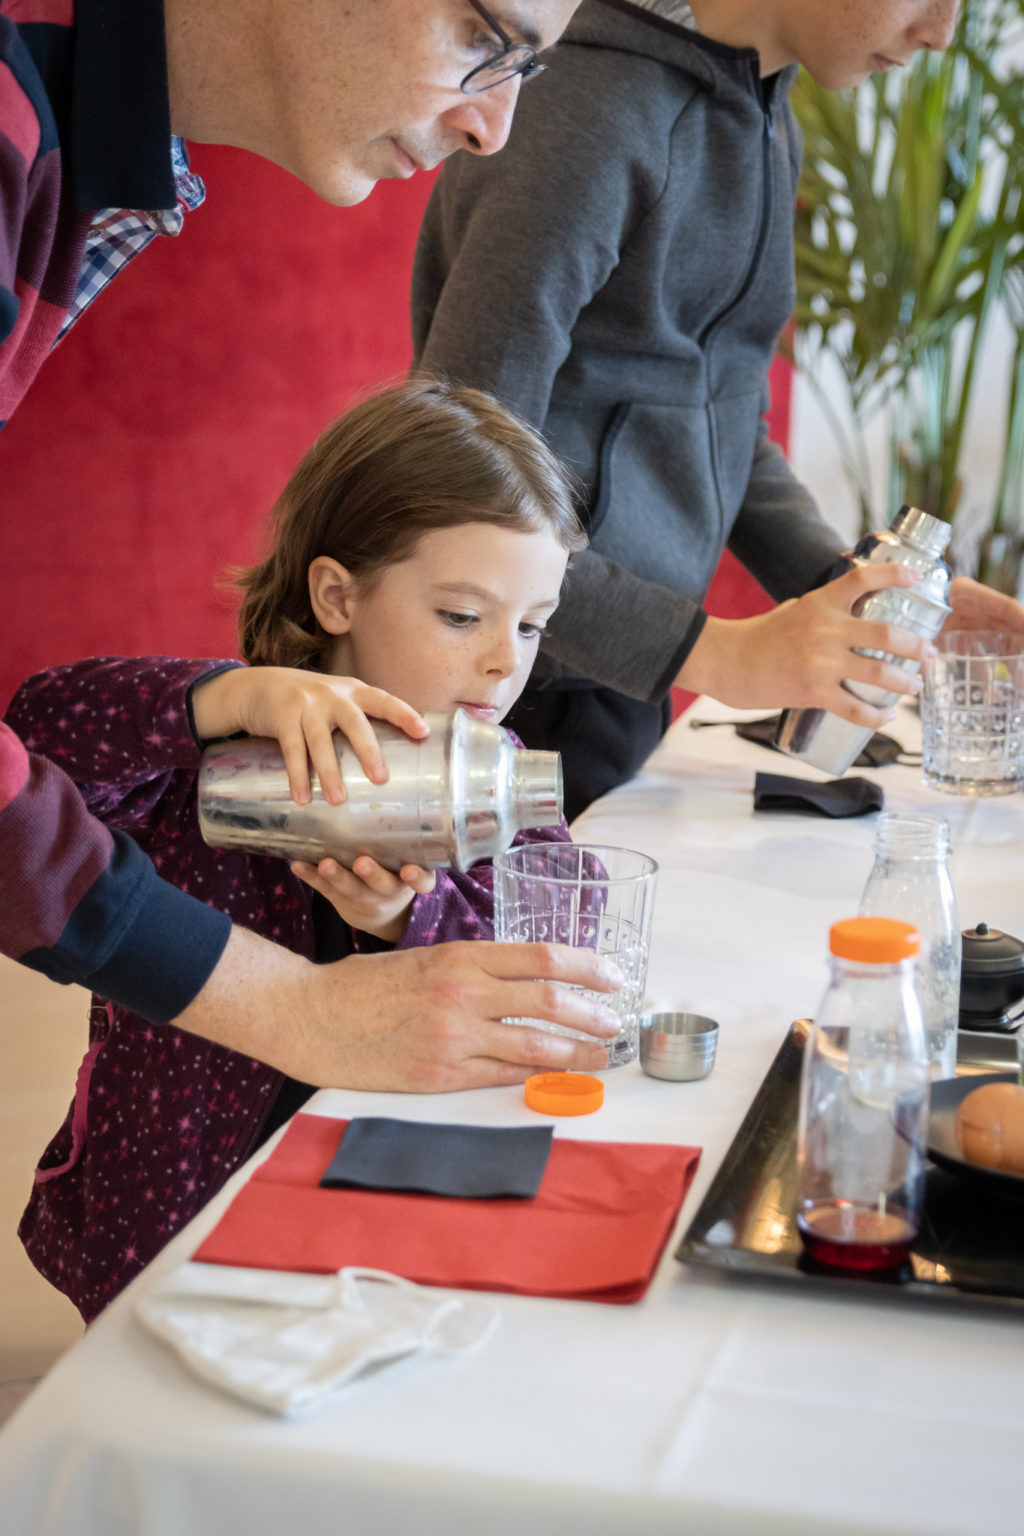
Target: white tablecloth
(711,1406)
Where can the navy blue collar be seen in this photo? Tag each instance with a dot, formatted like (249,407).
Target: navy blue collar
(120,147)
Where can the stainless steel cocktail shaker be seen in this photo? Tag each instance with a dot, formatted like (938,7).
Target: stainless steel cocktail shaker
(915,539)
(460,795)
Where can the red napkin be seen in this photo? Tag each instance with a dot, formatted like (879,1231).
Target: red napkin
(595,1230)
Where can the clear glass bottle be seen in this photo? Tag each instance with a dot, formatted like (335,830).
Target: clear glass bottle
(910,881)
(864,1103)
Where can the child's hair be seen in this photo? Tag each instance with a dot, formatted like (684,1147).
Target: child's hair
(419,456)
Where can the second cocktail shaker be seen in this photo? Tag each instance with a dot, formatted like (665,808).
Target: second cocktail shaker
(914,539)
(460,795)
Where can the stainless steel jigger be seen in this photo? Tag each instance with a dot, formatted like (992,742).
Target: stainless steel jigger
(678,1046)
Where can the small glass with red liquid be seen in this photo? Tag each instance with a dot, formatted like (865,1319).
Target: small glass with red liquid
(847,1236)
(864,1103)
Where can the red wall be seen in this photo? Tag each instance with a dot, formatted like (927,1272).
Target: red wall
(156,438)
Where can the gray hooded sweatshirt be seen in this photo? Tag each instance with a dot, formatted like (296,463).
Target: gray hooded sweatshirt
(619,275)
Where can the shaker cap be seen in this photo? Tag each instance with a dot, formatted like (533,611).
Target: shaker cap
(564,1093)
(920,528)
(878,940)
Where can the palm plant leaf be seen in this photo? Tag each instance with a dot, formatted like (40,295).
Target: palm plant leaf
(908,243)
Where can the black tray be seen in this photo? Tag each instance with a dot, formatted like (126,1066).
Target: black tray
(971,1246)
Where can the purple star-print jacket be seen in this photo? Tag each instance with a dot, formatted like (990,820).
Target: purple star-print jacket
(160,1118)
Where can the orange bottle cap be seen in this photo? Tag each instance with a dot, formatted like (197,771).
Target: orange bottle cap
(564,1093)
(883,940)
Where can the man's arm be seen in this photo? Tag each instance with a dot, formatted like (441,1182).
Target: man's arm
(780,535)
(82,904)
(799,654)
(428,1020)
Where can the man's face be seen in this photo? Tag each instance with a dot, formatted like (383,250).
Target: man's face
(841,42)
(367,89)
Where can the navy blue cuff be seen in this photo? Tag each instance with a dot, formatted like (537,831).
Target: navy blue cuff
(225,666)
(137,940)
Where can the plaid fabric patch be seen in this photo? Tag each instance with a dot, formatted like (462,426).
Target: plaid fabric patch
(119,234)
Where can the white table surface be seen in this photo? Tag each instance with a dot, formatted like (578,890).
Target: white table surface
(713,1405)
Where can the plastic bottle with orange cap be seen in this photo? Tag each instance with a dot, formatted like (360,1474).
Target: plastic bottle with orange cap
(864,1102)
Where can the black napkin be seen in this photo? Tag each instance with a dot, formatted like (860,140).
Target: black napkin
(881,749)
(466,1161)
(836,797)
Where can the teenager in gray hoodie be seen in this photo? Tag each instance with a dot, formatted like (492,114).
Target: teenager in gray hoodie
(619,276)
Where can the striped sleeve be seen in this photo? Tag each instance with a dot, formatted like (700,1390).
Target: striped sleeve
(80,903)
(42,236)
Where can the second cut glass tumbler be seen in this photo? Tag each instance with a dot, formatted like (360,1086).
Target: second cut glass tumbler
(972,714)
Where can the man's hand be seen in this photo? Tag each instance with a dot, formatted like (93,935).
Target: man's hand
(419,1020)
(978,607)
(301,710)
(367,896)
(800,653)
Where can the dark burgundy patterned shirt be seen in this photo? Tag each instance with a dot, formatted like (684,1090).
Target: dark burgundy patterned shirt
(160,1118)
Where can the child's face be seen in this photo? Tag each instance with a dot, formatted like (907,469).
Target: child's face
(456,625)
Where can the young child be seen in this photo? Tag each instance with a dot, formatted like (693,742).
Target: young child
(417,552)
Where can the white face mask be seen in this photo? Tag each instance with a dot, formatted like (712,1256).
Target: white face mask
(286,1341)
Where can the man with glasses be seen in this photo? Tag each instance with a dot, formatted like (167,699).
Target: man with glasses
(339,94)
(96,98)
(619,277)
(510,59)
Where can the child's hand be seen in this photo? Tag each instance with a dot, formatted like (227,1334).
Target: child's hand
(301,709)
(367,897)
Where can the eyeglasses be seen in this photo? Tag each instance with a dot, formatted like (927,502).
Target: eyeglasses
(512,59)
